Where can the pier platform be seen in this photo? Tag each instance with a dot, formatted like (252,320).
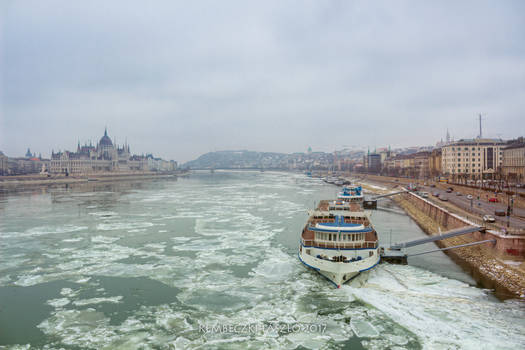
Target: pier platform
(393,256)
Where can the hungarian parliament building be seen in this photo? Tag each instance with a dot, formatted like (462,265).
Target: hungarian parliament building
(105,158)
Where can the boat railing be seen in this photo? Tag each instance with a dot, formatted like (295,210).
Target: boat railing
(338,245)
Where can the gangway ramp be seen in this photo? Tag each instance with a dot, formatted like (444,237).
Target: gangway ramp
(448,234)
(372,202)
(456,246)
(388,194)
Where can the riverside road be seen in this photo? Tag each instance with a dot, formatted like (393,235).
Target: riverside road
(480,206)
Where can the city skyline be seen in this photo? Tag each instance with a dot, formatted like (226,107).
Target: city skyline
(184,79)
(342,148)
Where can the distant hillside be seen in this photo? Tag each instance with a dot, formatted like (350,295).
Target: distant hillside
(238,159)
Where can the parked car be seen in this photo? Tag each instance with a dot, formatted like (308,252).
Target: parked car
(449,190)
(424,194)
(493,200)
(469,196)
(443,198)
(489,218)
(500,212)
(432,185)
(458,194)
(435,194)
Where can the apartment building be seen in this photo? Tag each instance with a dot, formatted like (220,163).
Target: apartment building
(474,158)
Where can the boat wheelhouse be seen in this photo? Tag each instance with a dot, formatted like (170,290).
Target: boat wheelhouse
(339,241)
(351,194)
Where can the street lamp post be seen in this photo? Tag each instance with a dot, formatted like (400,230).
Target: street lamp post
(508,210)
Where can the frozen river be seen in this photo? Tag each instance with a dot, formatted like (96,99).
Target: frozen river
(210,261)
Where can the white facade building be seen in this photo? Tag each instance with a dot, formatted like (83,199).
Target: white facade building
(473,158)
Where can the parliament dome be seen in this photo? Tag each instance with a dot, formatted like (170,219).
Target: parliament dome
(105,140)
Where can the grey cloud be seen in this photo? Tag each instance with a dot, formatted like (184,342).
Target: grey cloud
(179,79)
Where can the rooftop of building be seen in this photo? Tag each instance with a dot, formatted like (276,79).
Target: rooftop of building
(477,141)
(515,145)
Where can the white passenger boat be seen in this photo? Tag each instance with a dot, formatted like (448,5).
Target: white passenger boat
(339,241)
(353,194)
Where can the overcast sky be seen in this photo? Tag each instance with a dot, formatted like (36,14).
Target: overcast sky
(181,78)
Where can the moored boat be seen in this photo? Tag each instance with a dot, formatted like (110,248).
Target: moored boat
(352,194)
(339,241)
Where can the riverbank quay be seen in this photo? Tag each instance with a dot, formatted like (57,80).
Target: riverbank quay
(38,180)
(498,266)
(457,200)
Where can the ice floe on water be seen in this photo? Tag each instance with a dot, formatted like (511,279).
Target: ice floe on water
(43,230)
(58,303)
(83,302)
(104,239)
(83,280)
(103,214)
(72,240)
(443,313)
(123,226)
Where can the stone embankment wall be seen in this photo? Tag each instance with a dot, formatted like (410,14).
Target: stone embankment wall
(507,246)
(487,263)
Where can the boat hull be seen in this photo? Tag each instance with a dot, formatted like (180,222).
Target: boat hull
(339,272)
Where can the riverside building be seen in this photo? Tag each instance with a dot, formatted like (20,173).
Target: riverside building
(513,167)
(473,158)
(105,157)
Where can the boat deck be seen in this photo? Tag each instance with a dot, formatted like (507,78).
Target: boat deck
(324,204)
(308,236)
(370,241)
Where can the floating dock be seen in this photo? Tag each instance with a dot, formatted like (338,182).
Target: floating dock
(393,256)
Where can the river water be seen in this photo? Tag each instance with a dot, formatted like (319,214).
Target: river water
(210,261)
